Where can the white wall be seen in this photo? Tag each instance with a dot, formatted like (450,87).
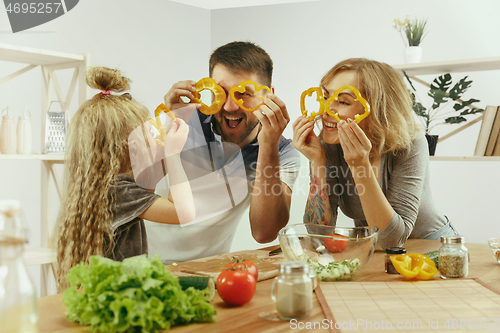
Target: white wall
(157,43)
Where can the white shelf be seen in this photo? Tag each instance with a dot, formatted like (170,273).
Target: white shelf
(440,67)
(42,157)
(28,55)
(465,158)
(39,256)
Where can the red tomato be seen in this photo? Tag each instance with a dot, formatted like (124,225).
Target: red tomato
(336,245)
(236,286)
(250,266)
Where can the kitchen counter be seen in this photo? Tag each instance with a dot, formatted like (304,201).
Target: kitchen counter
(258,315)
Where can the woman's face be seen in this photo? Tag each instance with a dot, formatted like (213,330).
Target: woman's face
(346,106)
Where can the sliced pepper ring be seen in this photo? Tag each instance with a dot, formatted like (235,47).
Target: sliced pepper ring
(319,97)
(241,88)
(158,125)
(219,95)
(359,98)
(414,266)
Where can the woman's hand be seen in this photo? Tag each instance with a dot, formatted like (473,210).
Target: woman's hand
(176,137)
(306,141)
(355,144)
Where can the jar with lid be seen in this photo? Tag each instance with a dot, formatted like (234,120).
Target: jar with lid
(292,290)
(453,257)
(390,251)
(18,303)
(7,133)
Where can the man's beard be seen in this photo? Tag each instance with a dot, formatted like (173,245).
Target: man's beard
(235,138)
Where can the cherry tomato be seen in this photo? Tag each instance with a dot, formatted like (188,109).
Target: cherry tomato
(336,245)
(236,286)
(245,263)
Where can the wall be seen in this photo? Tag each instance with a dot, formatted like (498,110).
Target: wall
(157,43)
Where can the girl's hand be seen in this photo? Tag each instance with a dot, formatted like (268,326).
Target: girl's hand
(176,137)
(306,141)
(355,143)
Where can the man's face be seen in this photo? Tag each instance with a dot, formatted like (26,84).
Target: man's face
(232,123)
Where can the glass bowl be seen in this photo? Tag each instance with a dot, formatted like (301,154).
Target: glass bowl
(494,245)
(338,253)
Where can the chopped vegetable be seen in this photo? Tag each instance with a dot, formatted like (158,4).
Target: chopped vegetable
(334,271)
(434,256)
(138,294)
(414,266)
(198,282)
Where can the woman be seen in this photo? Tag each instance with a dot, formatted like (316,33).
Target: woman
(103,207)
(377,171)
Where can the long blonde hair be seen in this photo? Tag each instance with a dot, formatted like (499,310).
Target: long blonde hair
(96,152)
(392,125)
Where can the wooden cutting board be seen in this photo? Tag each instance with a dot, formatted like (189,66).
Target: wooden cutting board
(462,305)
(212,266)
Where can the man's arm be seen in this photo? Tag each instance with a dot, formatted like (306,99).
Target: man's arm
(271,198)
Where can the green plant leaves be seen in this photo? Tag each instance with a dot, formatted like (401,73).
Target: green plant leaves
(459,88)
(441,93)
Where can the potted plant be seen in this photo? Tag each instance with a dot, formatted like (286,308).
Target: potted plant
(443,93)
(414,31)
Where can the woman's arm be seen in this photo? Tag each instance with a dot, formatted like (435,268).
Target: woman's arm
(318,209)
(356,146)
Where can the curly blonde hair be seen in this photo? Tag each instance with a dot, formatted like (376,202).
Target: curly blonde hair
(96,152)
(392,126)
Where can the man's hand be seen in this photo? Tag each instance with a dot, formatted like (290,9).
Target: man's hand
(180,89)
(274,117)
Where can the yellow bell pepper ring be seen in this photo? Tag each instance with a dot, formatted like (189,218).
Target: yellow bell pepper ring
(219,95)
(414,266)
(319,97)
(335,97)
(241,88)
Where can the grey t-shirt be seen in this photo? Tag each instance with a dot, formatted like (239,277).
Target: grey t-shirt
(404,179)
(128,229)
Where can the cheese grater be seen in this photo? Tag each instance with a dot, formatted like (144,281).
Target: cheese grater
(55,132)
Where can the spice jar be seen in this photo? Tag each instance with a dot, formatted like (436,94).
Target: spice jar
(389,267)
(453,257)
(292,290)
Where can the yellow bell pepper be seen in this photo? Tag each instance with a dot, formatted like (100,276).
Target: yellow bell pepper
(241,88)
(335,97)
(219,95)
(414,266)
(319,98)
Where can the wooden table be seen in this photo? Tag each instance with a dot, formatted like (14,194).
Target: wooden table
(255,316)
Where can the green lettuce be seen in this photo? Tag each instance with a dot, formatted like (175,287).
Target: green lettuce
(138,294)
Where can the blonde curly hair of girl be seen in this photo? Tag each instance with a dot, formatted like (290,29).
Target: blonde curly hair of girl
(96,152)
(392,126)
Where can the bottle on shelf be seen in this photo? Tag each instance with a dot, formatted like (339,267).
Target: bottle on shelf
(24,133)
(7,133)
(18,303)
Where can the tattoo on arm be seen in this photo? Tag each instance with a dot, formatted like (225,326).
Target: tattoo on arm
(318,211)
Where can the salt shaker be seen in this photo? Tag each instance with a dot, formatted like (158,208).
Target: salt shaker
(24,133)
(7,133)
(18,303)
(292,290)
(453,257)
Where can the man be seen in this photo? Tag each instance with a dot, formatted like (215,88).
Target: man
(236,159)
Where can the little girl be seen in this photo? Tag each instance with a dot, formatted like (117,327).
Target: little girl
(103,207)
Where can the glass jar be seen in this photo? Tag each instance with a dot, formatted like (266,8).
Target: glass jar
(292,290)
(18,303)
(389,267)
(453,257)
